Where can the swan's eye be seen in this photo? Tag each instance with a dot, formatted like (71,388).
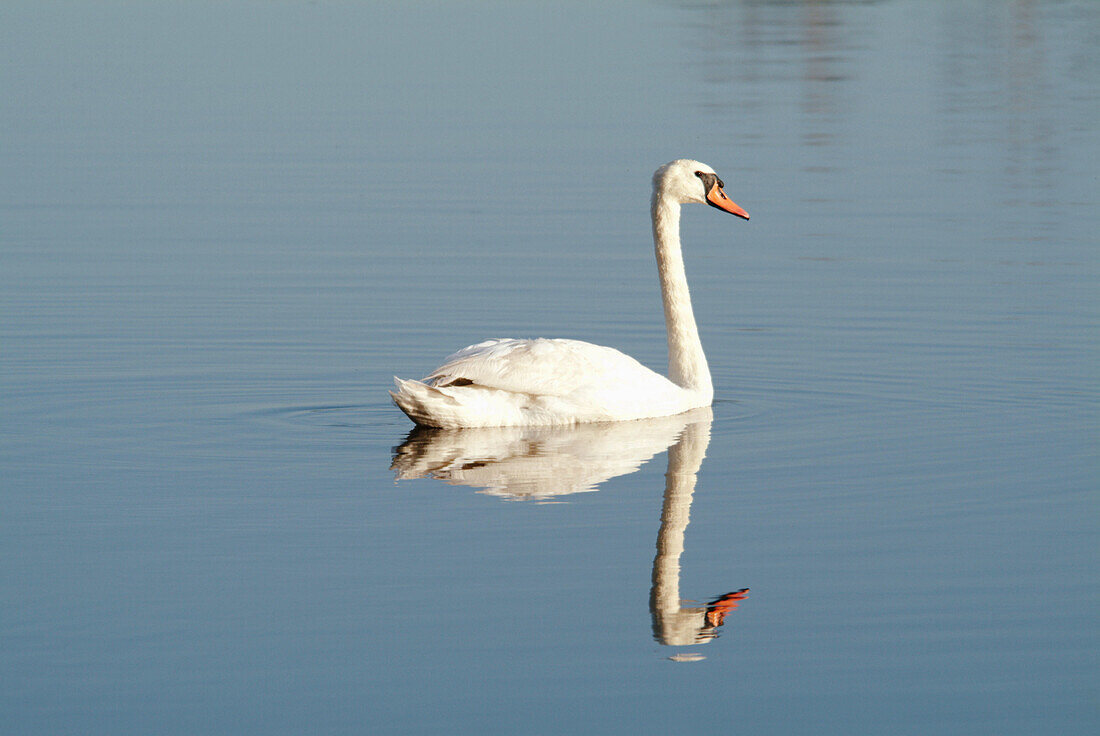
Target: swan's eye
(699,174)
(721,184)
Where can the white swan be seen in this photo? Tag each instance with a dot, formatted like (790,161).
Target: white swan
(508,382)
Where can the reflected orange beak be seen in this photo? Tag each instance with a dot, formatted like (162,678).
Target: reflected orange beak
(716,611)
(717,198)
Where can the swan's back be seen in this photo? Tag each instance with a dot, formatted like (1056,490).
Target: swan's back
(547,367)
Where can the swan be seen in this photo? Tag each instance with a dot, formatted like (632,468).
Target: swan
(509,382)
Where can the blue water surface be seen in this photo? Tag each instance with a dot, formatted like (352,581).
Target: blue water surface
(224,228)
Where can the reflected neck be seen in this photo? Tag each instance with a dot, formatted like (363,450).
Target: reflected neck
(674,623)
(687,365)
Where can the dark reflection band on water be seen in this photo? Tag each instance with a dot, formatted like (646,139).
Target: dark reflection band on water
(545,463)
(993,92)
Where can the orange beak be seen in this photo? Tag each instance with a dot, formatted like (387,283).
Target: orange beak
(717,198)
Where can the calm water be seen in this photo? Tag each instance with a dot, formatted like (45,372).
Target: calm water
(225,227)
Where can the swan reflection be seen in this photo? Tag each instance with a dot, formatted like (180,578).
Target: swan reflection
(535,463)
(545,463)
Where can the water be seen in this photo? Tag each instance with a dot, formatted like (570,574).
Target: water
(223,228)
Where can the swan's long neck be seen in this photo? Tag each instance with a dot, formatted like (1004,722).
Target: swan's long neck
(687,366)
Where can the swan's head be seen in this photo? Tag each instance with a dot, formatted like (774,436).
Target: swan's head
(693,181)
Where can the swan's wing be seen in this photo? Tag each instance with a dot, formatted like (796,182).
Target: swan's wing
(541,367)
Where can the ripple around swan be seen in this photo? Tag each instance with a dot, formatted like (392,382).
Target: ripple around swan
(369,416)
(334,416)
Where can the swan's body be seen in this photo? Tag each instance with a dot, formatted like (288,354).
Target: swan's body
(510,382)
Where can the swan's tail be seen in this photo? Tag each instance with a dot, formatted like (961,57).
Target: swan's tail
(457,406)
(424,404)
